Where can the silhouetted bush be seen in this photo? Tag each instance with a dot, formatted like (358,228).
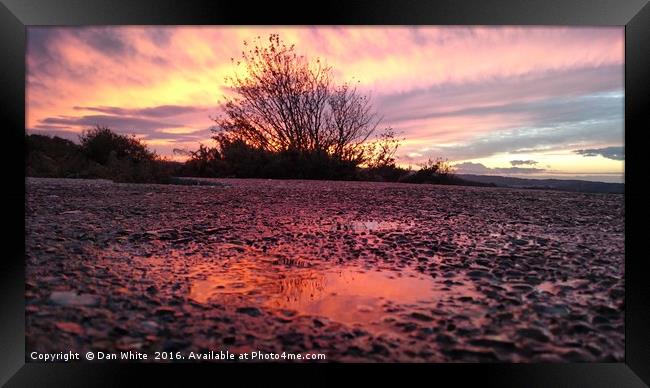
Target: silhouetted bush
(389,173)
(100,144)
(287,118)
(59,158)
(433,171)
(205,162)
(237,159)
(129,160)
(101,154)
(243,160)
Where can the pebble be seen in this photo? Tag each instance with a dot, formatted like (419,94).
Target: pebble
(71,298)
(532,333)
(70,327)
(252,311)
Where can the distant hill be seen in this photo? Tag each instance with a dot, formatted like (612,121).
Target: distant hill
(548,184)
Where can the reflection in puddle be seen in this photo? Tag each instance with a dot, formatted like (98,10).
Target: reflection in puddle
(347,295)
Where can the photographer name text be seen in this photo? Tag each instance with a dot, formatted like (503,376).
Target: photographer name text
(221,355)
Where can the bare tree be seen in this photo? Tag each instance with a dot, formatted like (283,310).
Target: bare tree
(285,103)
(351,122)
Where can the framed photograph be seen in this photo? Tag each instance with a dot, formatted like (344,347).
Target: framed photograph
(390,190)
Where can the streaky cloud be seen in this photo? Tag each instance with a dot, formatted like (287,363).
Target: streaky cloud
(156,111)
(118,123)
(614,153)
(516,163)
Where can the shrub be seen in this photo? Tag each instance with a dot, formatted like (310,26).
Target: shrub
(287,109)
(100,142)
(59,158)
(205,162)
(432,171)
(101,154)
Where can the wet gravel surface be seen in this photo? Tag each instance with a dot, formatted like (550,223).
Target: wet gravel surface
(355,270)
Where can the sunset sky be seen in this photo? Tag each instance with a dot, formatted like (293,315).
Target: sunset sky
(517,101)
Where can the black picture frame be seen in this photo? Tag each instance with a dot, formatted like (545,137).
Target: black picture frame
(15,15)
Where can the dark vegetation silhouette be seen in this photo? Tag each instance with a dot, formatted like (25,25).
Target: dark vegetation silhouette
(285,104)
(101,153)
(286,119)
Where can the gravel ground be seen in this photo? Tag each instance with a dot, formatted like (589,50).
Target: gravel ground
(357,271)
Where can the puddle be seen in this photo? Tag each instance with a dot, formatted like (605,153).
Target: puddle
(348,295)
